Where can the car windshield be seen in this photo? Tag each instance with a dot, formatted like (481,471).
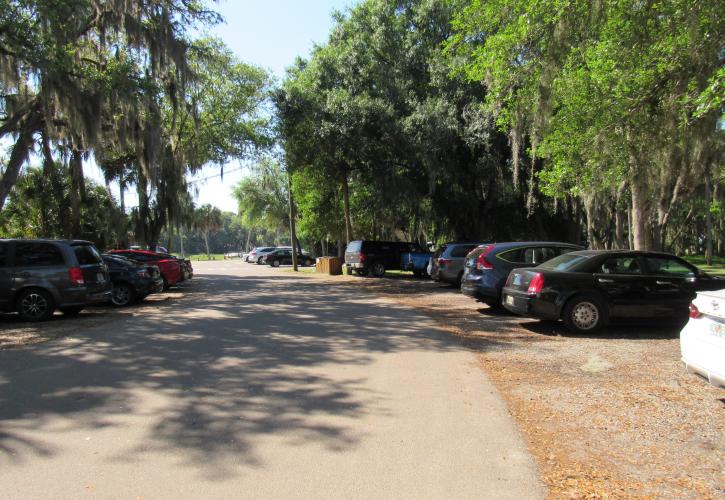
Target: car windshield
(565,262)
(87,255)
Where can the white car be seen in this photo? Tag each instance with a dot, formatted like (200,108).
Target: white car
(702,341)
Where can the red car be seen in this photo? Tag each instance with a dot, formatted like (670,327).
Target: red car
(170,268)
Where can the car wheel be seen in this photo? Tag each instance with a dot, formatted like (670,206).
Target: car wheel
(459,279)
(378,270)
(166,284)
(584,314)
(35,305)
(309,263)
(259,261)
(122,295)
(275,263)
(71,311)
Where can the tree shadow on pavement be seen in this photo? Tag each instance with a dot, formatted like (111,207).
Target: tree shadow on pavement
(238,359)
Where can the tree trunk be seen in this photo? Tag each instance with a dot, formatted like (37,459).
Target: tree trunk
(181,241)
(708,222)
(206,243)
(292,230)
(346,204)
(77,192)
(18,155)
(641,235)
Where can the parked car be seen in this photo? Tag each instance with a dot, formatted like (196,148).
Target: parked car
(702,340)
(487,266)
(447,264)
(257,253)
(187,270)
(171,268)
(588,289)
(39,276)
(283,256)
(375,257)
(132,280)
(416,260)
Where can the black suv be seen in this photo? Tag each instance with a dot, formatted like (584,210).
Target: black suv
(283,256)
(39,276)
(376,257)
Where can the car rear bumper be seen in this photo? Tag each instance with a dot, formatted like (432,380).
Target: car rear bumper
(703,350)
(355,265)
(82,297)
(523,304)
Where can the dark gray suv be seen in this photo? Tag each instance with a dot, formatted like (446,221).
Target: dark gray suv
(39,276)
(448,262)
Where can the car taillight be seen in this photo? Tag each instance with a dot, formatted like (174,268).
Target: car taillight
(75,275)
(694,311)
(444,261)
(536,284)
(481,262)
(143,273)
(361,257)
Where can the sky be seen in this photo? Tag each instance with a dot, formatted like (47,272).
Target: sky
(270,34)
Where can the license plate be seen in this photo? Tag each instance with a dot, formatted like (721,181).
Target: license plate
(509,300)
(717,329)
(100,278)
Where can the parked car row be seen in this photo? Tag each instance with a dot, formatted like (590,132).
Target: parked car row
(277,256)
(38,277)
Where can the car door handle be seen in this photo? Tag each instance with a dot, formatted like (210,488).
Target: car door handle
(605,280)
(659,282)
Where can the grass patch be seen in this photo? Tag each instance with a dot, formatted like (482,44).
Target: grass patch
(202,256)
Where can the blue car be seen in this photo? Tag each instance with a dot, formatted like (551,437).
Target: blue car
(416,261)
(487,266)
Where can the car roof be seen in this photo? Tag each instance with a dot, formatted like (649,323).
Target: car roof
(593,253)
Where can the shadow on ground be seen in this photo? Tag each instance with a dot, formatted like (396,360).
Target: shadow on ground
(235,360)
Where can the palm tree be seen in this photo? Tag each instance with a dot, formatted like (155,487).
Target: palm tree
(209,220)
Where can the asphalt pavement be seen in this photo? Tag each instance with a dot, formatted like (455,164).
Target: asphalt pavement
(257,384)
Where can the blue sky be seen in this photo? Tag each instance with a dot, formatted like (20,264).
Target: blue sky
(269,34)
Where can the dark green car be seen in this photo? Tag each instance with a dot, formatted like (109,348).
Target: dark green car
(39,276)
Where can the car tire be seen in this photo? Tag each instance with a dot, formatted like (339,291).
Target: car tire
(309,263)
(35,304)
(123,295)
(71,311)
(275,263)
(259,261)
(361,272)
(584,314)
(378,270)
(459,279)
(166,284)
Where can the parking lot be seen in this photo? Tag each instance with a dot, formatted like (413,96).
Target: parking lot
(609,414)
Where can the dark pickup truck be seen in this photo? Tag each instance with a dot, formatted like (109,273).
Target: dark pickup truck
(375,257)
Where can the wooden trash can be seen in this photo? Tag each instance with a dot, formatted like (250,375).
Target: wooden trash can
(329,265)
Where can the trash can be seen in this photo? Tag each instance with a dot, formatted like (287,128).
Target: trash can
(329,265)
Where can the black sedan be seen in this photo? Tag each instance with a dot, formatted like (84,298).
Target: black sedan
(132,280)
(588,289)
(283,256)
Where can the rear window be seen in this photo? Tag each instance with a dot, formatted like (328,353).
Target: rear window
(354,246)
(37,254)
(87,255)
(462,250)
(565,262)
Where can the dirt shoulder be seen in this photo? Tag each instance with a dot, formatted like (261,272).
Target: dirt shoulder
(610,415)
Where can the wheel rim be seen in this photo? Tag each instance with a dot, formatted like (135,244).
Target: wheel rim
(379,270)
(121,295)
(585,315)
(275,263)
(34,305)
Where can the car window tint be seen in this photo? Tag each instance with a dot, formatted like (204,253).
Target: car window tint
(515,256)
(564,263)
(37,254)
(4,250)
(462,250)
(87,255)
(440,251)
(669,267)
(536,255)
(621,265)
